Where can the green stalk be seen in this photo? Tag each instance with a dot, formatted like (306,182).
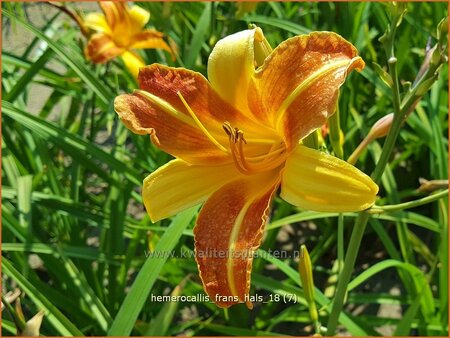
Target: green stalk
(340,243)
(344,277)
(363,217)
(408,205)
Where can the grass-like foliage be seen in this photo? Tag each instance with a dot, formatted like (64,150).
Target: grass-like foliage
(77,241)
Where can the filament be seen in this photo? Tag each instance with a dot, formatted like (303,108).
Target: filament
(200,125)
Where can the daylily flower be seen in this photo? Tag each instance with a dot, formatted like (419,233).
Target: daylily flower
(120,30)
(237,138)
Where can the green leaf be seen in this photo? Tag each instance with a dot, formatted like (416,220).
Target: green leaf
(88,253)
(161,323)
(63,325)
(26,78)
(404,326)
(84,73)
(132,305)
(198,37)
(318,295)
(420,282)
(279,23)
(404,216)
(73,144)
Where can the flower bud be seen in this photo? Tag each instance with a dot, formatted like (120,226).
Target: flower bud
(430,186)
(33,326)
(261,46)
(305,270)
(442,28)
(381,127)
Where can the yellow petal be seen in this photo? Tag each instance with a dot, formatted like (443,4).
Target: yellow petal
(178,185)
(231,65)
(123,21)
(229,230)
(133,62)
(138,17)
(97,22)
(317,181)
(149,39)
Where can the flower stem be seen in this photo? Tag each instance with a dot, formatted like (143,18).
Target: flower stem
(340,243)
(360,226)
(344,276)
(408,205)
(363,217)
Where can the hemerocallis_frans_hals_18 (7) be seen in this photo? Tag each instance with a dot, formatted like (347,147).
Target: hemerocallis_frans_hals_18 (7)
(237,137)
(119,32)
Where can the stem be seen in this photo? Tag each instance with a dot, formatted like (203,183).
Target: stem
(359,228)
(334,126)
(73,16)
(340,243)
(408,205)
(358,151)
(344,276)
(19,322)
(363,217)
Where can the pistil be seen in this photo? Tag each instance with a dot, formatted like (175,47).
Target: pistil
(249,165)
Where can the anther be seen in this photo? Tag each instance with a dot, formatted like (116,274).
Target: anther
(274,158)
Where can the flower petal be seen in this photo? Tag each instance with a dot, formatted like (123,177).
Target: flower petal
(138,17)
(158,110)
(171,130)
(178,185)
(317,181)
(204,100)
(231,66)
(115,12)
(229,229)
(149,39)
(102,48)
(124,22)
(97,22)
(133,62)
(296,88)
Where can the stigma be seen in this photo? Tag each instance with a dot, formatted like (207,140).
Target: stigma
(250,165)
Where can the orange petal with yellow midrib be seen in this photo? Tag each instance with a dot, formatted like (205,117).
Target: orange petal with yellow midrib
(173,132)
(296,88)
(229,230)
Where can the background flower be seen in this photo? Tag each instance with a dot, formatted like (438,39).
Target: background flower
(120,31)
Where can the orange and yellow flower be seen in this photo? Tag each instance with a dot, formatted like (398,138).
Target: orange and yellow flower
(119,32)
(237,137)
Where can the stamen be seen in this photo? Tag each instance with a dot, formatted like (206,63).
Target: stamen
(236,137)
(200,125)
(271,160)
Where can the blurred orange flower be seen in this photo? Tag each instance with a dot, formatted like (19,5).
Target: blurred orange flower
(119,31)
